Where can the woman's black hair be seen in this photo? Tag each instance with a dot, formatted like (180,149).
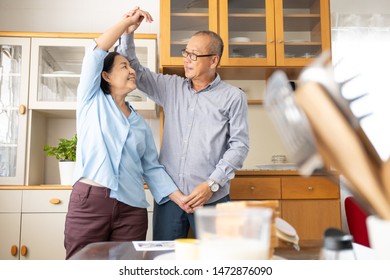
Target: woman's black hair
(107,67)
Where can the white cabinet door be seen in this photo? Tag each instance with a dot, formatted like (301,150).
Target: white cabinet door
(146,53)
(43,236)
(9,236)
(10,212)
(149,198)
(14,75)
(43,224)
(55,72)
(56,67)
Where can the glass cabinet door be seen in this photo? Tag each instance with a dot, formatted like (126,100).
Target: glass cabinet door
(185,18)
(302,30)
(55,72)
(147,55)
(14,63)
(247,29)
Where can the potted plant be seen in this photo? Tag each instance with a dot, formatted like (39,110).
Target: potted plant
(65,152)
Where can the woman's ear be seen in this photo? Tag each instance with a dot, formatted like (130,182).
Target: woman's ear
(106,76)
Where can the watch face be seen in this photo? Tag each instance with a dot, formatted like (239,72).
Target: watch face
(214,187)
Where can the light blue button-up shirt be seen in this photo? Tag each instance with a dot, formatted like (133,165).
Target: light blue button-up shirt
(205,132)
(113,150)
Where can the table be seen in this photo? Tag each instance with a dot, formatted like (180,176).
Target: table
(126,251)
(114,251)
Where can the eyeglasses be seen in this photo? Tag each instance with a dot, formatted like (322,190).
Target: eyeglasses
(194,57)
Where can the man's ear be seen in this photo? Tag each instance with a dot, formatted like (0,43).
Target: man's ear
(106,76)
(215,61)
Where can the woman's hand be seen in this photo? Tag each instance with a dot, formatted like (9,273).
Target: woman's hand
(136,16)
(178,197)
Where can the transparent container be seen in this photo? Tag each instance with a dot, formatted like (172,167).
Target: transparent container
(337,246)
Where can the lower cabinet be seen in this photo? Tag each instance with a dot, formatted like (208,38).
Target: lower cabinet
(10,217)
(36,230)
(32,223)
(149,198)
(309,204)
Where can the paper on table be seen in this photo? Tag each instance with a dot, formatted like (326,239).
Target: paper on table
(154,245)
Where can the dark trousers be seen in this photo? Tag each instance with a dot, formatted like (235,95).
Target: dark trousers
(170,222)
(95,217)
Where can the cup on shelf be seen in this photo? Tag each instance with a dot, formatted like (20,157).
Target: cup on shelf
(278,159)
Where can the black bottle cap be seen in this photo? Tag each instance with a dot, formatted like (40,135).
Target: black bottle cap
(335,239)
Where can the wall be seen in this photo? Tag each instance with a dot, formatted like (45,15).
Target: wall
(71,15)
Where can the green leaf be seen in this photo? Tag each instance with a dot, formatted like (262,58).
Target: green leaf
(64,151)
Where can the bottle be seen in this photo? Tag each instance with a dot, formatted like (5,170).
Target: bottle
(337,246)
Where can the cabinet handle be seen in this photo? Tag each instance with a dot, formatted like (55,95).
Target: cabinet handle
(272,41)
(280,41)
(22,109)
(14,250)
(55,201)
(252,188)
(23,250)
(310,188)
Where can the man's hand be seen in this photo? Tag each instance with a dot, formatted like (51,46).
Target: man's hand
(199,196)
(136,16)
(178,197)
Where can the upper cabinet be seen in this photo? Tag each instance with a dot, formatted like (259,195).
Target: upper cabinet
(55,73)
(14,74)
(255,32)
(179,20)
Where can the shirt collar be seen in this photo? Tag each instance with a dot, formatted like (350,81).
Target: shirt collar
(210,86)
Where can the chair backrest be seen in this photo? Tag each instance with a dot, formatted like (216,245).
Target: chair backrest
(356,220)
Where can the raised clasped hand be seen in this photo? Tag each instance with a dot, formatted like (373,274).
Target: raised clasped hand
(138,16)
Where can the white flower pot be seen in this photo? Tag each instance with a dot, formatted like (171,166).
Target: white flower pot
(66,172)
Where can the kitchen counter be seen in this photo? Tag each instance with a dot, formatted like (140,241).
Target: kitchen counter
(39,187)
(256,172)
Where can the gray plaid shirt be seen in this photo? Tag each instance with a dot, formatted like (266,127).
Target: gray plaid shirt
(205,132)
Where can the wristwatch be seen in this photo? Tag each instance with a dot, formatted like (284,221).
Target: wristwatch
(214,187)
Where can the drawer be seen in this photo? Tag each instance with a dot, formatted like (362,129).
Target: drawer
(252,188)
(309,188)
(45,201)
(10,201)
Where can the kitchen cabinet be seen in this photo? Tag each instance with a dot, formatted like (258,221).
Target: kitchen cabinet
(35,221)
(56,67)
(255,32)
(14,77)
(150,199)
(39,78)
(10,216)
(309,204)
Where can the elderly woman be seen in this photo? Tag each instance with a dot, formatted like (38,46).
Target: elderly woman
(115,152)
